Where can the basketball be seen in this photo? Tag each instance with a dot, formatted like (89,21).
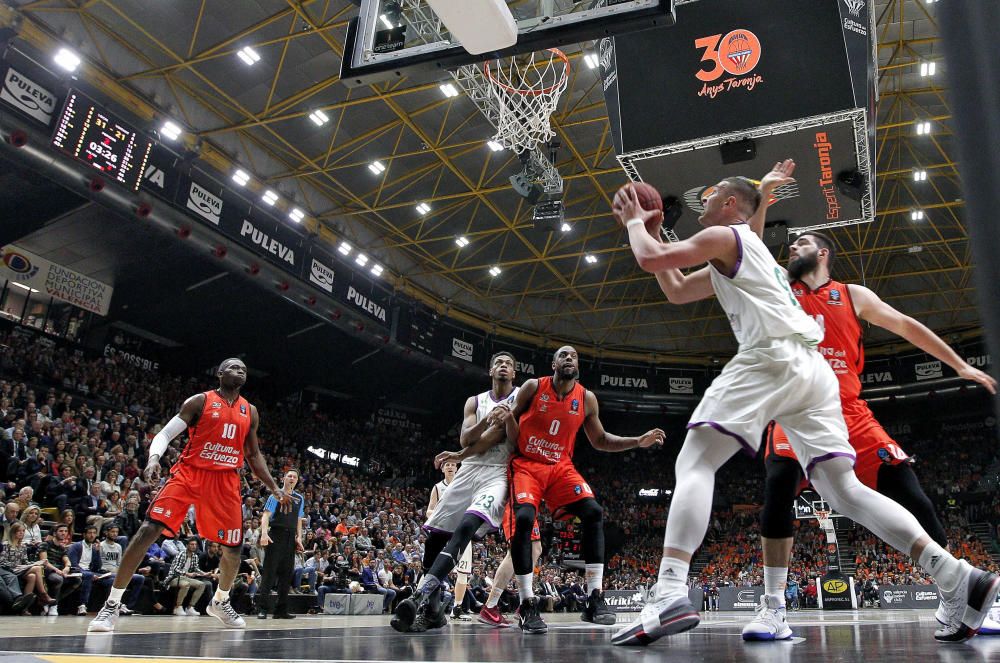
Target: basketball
(649,197)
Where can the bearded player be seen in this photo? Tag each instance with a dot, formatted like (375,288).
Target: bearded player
(775,375)
(221,426)
(548,413)
(881,464)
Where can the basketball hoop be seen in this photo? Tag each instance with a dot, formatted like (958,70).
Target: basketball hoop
(526,94)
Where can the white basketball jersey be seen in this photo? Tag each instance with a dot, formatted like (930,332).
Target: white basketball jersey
(758,299)
(440,487)
(498,454)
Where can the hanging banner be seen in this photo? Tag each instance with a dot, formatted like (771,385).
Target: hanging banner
(161,177)
(362,296)
(621,378)
(29,96)
(52,280)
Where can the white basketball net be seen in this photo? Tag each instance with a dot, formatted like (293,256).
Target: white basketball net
(526,94)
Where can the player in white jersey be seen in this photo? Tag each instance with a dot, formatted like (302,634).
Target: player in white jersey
(464,568)
(474,502)
(776,374)
(448,469)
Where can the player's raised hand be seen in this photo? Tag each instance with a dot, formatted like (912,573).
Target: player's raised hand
(445,456)
(976,375)
(499,415)
(651,438)
(626,207)
(780,174)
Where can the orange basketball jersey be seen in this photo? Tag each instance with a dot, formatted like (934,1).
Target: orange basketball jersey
(831,306)
(215,442)
(549,427)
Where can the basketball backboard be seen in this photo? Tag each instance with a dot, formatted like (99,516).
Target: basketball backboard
(390,39)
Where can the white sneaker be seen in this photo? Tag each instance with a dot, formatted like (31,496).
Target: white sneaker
(669,615)
(769,622)
(106,618)
(192,612)
(989,627)
(225,613)
(179,611)
(44,612)
(125,610)
(53,611)
(81,611)
(965,610)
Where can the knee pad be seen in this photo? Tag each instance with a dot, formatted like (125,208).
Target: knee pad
(524,517)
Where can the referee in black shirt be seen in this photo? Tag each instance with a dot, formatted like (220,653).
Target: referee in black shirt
(281,534)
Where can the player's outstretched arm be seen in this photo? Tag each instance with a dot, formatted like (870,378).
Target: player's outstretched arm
(602,440)
(259,465)
(871,308)
(779,175)
(188,416)
(684,289)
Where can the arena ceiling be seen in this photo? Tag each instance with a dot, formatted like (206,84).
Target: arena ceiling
(182,58)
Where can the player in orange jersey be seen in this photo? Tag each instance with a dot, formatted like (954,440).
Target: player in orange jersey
(548,413)
(881,463)
(221,426)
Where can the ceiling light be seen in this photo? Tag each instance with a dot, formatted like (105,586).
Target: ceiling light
(927,68)
(923,128)
(319,118)
(248,55)
(423,208)
(565,227)
(376,167)
(344,248)
(462,242)
(917,215)
(22,286)
(590,258)
(296,215)
(67,59)
(449,90)
(494,271)
(914,249)
(170,130)
(241,177)
(377,269)
(386,22)
(495,146)
(592,60)
(361,259)
(270,197)
(920,176)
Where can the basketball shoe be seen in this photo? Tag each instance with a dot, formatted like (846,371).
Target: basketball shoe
(965,609)
(225,613)
(670,615)
(769,622)
(106,618)
(597,611)
(493,617)
(530,619)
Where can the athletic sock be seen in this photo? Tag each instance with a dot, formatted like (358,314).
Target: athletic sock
(775,581)
(221,595)
(524,586)
(428,584)
(494,598)
(945,569)
(594,577)
(116,595)
(672,577)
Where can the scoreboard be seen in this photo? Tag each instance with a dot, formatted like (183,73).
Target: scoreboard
(99,139)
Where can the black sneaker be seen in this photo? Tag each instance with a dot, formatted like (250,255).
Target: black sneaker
(597,611)
(404,616)
(529,618)
(460,614)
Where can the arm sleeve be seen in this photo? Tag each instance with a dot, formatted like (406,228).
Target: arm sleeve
(174,427)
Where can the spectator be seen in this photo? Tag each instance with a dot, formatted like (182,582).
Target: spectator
(370,583)
(111,556)
(186,575)
(14,558)
(85,559)
(31,518)
(59,577)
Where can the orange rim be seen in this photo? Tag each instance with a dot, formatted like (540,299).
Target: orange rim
(530,93)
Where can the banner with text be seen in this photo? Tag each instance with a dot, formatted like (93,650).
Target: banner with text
(53,280)
(894,597)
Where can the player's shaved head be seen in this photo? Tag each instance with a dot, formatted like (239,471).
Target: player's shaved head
(568,348)
(227,362)
(745,191)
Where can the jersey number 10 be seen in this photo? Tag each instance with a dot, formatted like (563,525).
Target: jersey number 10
(228,431)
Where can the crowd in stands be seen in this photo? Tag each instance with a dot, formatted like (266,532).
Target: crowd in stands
(74,436)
